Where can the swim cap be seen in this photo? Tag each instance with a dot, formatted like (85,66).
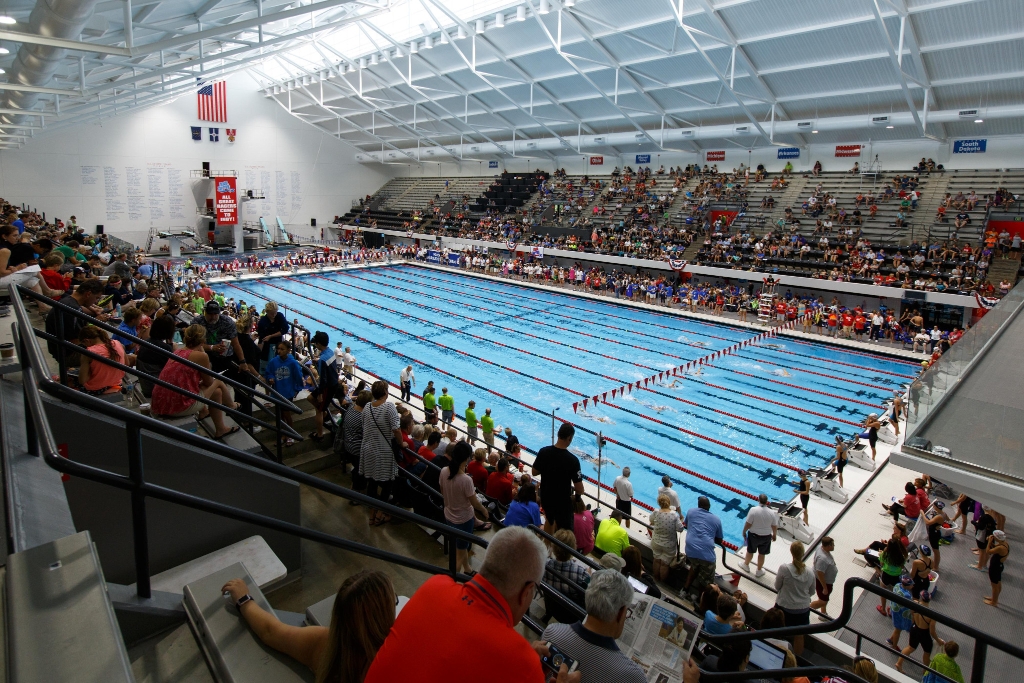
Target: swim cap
(872,414)
(905,580)
(940,505)
(924,364)
(926,550)
(1000,535)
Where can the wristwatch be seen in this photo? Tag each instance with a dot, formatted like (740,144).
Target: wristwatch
(242,600)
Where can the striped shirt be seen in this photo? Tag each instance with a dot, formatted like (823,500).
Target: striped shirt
(599,656)
(376,459)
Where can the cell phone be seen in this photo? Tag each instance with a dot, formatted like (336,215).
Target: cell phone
(556,658)
(105,300)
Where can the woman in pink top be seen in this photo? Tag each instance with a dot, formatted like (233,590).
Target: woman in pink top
(94,376)
(169,403)
(583,527)
(459,500)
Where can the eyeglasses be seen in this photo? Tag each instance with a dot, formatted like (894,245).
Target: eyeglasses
(629,612)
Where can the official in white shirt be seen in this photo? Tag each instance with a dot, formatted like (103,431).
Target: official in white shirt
(407,380)
(760,530)
(624,494)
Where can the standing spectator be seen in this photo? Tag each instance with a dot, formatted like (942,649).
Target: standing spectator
(583,526)
(459,501)
(326,373)
(487,427)
(524,509)
(997,551)
(407,380)
(489,606)
(352,435)
(703,532)
(376,458)
(270,329)
(611,537)
(447,404)
(624,494)
(760,530)
(561,479)
(825,573)
(665,528)
(471,422)
(511,440)
(430,404)
(592,641)
(673,497)
(795,585)
(284,373)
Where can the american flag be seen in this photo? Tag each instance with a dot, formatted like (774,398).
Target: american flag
(212,99)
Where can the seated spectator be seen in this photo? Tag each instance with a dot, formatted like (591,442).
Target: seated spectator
(790,663)
(735,657)
(583,526)
(130,319)
(427,449)
(152,362)
(363,613)
(635,569)
(489,606)
(568,566)
(500,483)
(611,537)
(725,617)
(95,377)
(592,641)
(477,469)
(524,509)
(169,403)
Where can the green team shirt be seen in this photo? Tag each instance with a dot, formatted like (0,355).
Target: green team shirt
(446,402)
(487,423)
(220,299)
(199,304)
(429,402)
(470,418)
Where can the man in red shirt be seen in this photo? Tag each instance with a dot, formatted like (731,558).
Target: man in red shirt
(847,318)
(859,323)
(427,449)
(501,484)
(486,609)
(780,311)
(477,469)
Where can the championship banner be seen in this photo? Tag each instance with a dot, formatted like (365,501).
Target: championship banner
(643,158)
(969,146)
(453,260)
(597,161)
(789,152)
(718,155)
(226,202)
(538,252)
(434,256)
(847,150)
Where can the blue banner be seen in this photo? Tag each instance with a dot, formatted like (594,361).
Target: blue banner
(453,260)
(492,164)
(969,146)
(643,158)
(433,256)
(789,152)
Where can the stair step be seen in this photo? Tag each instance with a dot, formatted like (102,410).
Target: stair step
(62,625)
(172,657)
(234,652)
(263,565)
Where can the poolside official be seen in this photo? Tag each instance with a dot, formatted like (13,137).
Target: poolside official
(760,530)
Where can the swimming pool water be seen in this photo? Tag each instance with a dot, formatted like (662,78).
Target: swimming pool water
(731,432)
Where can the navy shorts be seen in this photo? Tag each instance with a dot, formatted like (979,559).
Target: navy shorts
(761,545)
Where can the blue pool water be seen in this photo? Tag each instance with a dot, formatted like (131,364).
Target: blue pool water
(522,351)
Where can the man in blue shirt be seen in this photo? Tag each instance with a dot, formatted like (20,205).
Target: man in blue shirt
(703,532)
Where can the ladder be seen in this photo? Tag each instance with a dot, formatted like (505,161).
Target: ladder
(765,309)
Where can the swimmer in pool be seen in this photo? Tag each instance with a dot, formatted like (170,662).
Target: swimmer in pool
(781,372)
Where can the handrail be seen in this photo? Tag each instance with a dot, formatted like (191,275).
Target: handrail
(982,639)
(810,672)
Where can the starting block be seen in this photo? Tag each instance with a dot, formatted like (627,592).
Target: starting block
(791,521)
(858,457)
(826,484)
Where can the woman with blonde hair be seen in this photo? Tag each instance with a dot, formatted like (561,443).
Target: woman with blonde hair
(363,613)
(169,403)
(664,531)
(94,376)
(795,585)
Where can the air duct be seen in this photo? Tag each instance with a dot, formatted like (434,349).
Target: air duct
(36,64)
(668,137)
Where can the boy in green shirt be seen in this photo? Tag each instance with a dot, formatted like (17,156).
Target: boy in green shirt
(487,425)
(447,404)
(471,422)
(430,404)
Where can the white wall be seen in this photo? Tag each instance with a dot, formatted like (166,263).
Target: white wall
(305,173)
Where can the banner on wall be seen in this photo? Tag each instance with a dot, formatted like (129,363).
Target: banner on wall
(643,158)
(969,146)
(492,164)
(453,260)
(717,155)
(226,201)
(538,252)
(597,161)
(847,150)
(789,152)
(434,256)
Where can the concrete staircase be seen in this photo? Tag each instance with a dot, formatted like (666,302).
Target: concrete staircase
(1003,269)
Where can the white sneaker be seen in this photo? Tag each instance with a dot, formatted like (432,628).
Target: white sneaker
(759,573)
(745,567)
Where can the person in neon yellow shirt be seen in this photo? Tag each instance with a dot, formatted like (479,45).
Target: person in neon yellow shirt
(430,404)
(471,422)
(447,404)
(487,426)
(611,537)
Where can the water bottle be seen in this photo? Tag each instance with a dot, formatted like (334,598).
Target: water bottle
(117,308)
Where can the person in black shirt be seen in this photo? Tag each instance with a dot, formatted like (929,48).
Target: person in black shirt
(271,328)
(561,480)
(150,361)
(84,299)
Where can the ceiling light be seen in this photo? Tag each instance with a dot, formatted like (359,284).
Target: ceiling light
(568,3)
(815,132)
(444,37)
(4,51)
(979,120)
(362,62)
(521,13)
(373,59)
(6,19)
(545,6)
(461,35)
(499,20)
(481,26)
(890,127)
(428,43)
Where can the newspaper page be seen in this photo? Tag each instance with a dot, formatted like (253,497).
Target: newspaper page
(659,637)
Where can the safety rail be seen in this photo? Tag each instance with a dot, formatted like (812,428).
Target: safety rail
(35,376)
(982,640)
(63,345)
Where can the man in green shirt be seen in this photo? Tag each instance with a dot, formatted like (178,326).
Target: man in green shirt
(430,404)
(70,251)
(199,304)
(447,404)
(611,537)
(487,425)
(471,423)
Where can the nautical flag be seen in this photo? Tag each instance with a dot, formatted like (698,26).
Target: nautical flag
(212,101)
(197,133)
(232,133)
(214,134)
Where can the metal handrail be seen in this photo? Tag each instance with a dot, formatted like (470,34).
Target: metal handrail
(982,640)
(811,672)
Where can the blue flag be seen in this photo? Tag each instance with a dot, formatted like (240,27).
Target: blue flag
(197,132)
(214,134)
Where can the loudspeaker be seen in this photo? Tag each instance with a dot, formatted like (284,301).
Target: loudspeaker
(99,229)
(312,222)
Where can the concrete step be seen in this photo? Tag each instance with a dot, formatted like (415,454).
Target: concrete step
(263,565)
(171,657)
(235,654)
(61,623)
